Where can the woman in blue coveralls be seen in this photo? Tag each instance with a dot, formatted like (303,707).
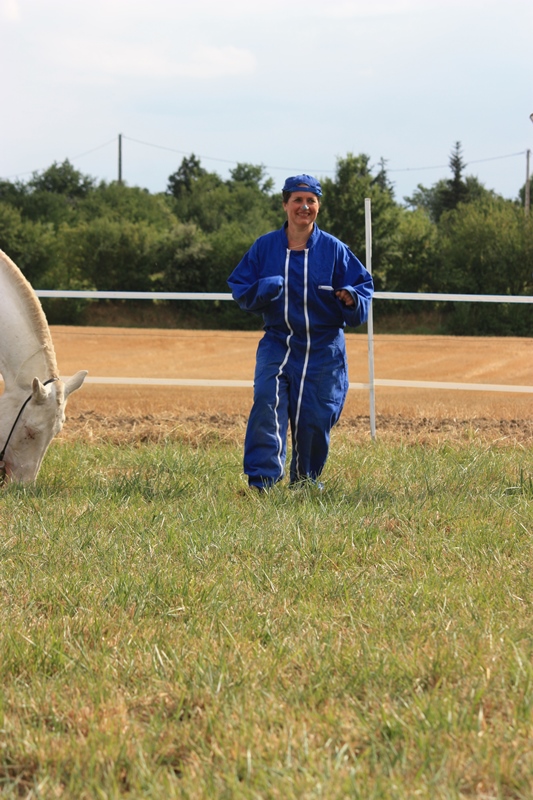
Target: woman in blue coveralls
(307,285)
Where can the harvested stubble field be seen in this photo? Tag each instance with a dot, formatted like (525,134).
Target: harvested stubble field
(135,413)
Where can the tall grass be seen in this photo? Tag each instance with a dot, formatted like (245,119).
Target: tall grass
(167,634)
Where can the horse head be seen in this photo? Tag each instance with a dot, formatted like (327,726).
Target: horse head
(32,409)
(39,418)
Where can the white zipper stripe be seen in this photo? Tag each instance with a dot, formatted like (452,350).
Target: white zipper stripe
(282,365)
(306,360)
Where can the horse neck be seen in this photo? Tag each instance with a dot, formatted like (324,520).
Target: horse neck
(26,349)
(32,359)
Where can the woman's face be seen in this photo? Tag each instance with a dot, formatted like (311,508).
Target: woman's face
(302,208)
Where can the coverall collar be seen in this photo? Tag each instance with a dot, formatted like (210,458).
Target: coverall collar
(310,242)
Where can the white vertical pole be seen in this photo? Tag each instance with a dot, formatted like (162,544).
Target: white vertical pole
(527,197)
(370,322)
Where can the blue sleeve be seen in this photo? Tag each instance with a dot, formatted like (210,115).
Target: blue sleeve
(251,292)
(355,278)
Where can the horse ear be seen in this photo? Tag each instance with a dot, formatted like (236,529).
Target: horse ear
(75,382)
(38,392)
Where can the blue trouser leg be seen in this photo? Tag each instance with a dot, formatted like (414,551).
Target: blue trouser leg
(322,399)
(265,444)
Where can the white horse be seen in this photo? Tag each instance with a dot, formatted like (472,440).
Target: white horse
(32,406)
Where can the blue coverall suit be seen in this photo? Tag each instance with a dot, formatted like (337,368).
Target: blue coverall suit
(301,373)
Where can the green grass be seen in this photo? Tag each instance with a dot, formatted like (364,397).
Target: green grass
(167,634)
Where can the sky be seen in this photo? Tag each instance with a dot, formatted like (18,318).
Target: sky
(293,85)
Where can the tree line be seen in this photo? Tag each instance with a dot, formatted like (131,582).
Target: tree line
(65,230)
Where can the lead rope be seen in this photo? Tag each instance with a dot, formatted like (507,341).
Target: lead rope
(25,403)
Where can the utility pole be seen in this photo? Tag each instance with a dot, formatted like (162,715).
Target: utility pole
(120,158)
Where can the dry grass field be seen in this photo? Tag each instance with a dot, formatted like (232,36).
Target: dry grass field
(139,413)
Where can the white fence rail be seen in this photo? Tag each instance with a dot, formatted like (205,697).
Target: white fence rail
(458,298)
(476,298)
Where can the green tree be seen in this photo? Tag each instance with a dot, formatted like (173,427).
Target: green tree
(62,179)
(183,180)
(228,245)
(447,194)
(205,204)
(455,191)
(12,193)
(120,202)
(48,208)
(251,205)
(31,245)
(487,248)
(342,211)
(413,258)
(51,196)
(211,203)
(181,259)
(252,175)
(110,255)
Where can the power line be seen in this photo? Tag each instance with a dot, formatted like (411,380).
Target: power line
(73,158)
(467,163)
(320,171)
(266,166)
(100,147)
(212,158)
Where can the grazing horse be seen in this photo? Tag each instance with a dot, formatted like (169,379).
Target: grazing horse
(32,405)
